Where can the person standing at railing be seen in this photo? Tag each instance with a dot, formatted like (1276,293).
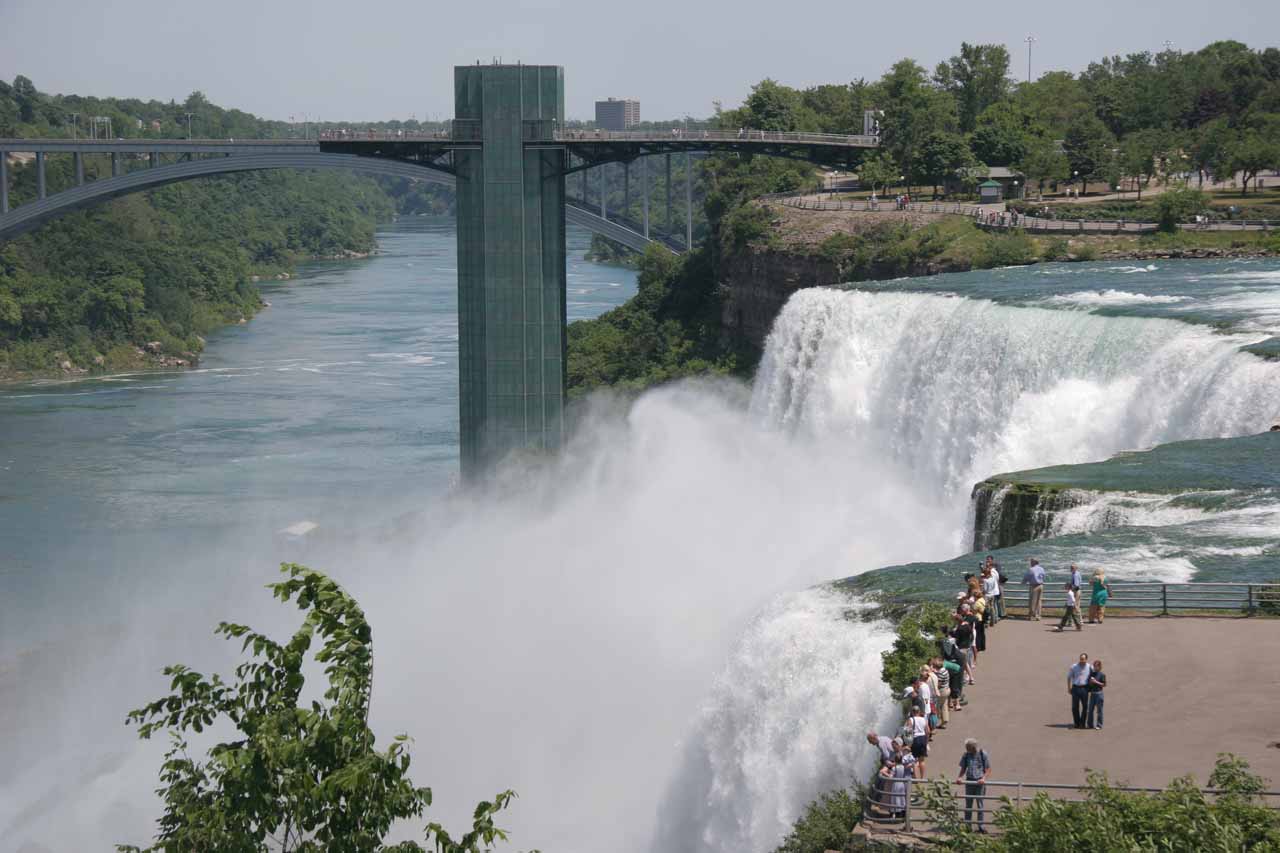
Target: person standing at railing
(991,592)
(1098,599)
(1078,686)
(943,700)
(1097,682)
(1034,579)
(919,740)
(975,766)
(1077,579)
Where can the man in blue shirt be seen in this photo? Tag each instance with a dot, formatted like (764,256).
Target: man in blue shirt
(975,766)
(1077,580)
(1078,687)
(1034,578)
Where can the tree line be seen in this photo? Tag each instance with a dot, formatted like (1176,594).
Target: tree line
(1215,111)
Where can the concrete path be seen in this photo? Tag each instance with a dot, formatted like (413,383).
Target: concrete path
(1179,691)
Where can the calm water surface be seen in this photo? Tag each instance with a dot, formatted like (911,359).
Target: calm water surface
(338,402)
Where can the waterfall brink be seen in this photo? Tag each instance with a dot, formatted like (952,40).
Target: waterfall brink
(955,389)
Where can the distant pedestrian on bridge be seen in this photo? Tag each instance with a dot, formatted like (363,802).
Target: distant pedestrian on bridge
(1078,686)
(1034,579)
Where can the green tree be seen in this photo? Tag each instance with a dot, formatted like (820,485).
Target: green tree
(1211,148)
(1054,100)
(1140,154)
(1088,147)
(1178,205)
(912,110)
(300,776)
(772,106)
(1042,162)
(1002,134)
(26,97)
(878,171)
(1255,149)
(977,77)
(942,156)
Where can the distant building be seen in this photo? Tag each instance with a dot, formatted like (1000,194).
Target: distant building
(617,115)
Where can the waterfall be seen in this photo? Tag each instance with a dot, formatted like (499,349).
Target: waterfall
(930,393)
(956,389)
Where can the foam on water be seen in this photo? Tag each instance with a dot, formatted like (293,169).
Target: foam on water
(1095,298)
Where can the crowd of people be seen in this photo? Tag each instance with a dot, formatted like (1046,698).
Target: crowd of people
(937,691)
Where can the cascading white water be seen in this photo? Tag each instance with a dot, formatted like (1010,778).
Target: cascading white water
(959,389)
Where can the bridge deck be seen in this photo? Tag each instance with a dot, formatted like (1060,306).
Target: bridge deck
(1179,691)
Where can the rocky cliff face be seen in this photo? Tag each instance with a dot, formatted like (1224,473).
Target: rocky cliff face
(1010,513)
(755,284)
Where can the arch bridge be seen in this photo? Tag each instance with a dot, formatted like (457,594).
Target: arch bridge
(509,159)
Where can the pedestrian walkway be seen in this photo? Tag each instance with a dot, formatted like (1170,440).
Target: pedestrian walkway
(1179,692)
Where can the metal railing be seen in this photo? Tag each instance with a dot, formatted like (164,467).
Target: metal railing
(996,220)
(1246,598)
(883,807)
(703,135)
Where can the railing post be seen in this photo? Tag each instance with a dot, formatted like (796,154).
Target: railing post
(1250,599)
(1019,794)
(1164,599)
(911,792)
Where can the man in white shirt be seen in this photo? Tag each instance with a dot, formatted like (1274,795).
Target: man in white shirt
(991,591)
(1071,610)
(1078,687)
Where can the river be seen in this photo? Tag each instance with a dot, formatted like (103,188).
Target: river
(632,639)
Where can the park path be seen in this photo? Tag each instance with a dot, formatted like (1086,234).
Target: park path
(1180,691)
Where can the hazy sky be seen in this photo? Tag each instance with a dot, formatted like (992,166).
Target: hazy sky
(384,59)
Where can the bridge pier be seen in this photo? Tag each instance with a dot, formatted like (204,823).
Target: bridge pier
(626,189)
(4,181)
(511,261)
(40,186)
(644,194)
(79,161)
(604,172)
(688,201)
(115,165)
(668,220)
(155,159)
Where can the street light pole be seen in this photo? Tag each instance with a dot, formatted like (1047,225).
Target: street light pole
(189,115)
(1030,40)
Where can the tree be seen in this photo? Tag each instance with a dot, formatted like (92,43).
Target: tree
(942,156)
(300,777)
(26,96)
(1255,149)
(1055,100)
(878,171)
(1088,146)
(1210,148)
(1002,134)
(1140,154)
(912,110)
(1042,161)
(1179,205)
(772,106)
(977,78)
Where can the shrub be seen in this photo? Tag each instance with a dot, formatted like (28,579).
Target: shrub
(1179,205)
(1056,249)
(919,632)
(826,824)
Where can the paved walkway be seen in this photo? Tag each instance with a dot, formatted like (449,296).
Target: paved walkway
(1180,690)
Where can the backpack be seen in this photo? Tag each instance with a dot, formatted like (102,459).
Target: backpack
(980,760)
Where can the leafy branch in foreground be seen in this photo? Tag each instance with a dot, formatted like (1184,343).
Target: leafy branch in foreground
(303,778)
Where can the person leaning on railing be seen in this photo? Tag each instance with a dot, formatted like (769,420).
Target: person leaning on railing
(975,767)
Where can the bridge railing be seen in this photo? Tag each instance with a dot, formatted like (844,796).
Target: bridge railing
(1162,598)
(887,809)
(745,135)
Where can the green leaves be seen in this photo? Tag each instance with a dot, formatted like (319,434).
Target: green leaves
(297,778)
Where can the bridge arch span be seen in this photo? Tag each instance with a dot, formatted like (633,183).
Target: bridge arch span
(32,215)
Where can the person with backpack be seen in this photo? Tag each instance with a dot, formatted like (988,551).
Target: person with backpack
(975,766)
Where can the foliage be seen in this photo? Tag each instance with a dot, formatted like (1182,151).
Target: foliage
(1088,145)
(669,329)
(942,156)
(977,78)
(301,776)
(1181,204)
(1269,599)
(1180,818)
(878,171)
(826,824)
(916,641)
